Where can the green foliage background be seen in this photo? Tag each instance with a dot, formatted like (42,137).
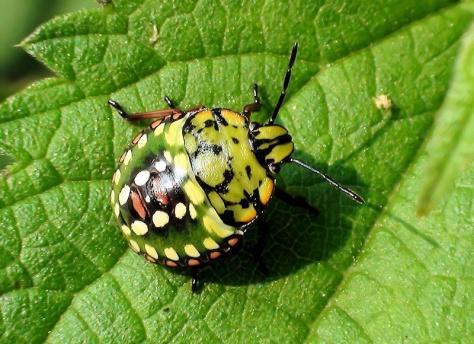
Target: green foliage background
(373,273)
(17,19)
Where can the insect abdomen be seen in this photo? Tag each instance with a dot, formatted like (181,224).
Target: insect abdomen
(161,208)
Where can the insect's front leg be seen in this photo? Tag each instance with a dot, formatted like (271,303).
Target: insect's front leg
(255,106)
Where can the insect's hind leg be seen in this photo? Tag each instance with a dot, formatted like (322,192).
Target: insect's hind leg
(255,106)
(172,105)
(196,283)
(157,114)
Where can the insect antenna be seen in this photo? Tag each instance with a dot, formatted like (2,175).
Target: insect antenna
(286,82)
(331,181)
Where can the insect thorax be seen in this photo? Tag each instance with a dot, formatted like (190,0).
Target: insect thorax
(226,166)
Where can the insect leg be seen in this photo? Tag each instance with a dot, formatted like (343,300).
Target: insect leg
(255,106)
(157,114)
(172,106)
(195,282)
(169,102)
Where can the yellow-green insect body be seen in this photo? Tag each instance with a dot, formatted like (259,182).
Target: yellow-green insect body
(188,186)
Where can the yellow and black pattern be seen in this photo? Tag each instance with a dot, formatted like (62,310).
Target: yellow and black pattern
(225,165)
(162,210)
(272,145)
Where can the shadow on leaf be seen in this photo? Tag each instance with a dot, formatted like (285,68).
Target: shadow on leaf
(296,235)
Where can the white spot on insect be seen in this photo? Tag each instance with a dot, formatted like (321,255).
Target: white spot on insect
(160,166)
(191,251)
(160,218)
(116,177)
(383,102)
(139,227)
(128,157)
(117,210)
(151,251)
(147,199)
(123,195)
(192,211)
(167,156)
(171,253)
(134,245)
(142,177)
(210,244)
(180,210)
(239,232)
(142,142)
(126,230)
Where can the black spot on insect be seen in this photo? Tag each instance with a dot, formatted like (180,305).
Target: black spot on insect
(216,112)
(228,217)
(244,203)
(216,149)
(188,127)
(255,200)
(224,186)
(204,147)
(249,171)
(236,141)
(228,175)
(208,124)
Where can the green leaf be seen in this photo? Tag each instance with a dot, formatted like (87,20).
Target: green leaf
(351,273)
(413,282)
(452,145)
(13,29)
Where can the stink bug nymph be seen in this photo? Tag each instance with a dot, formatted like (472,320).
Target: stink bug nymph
(190,184)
